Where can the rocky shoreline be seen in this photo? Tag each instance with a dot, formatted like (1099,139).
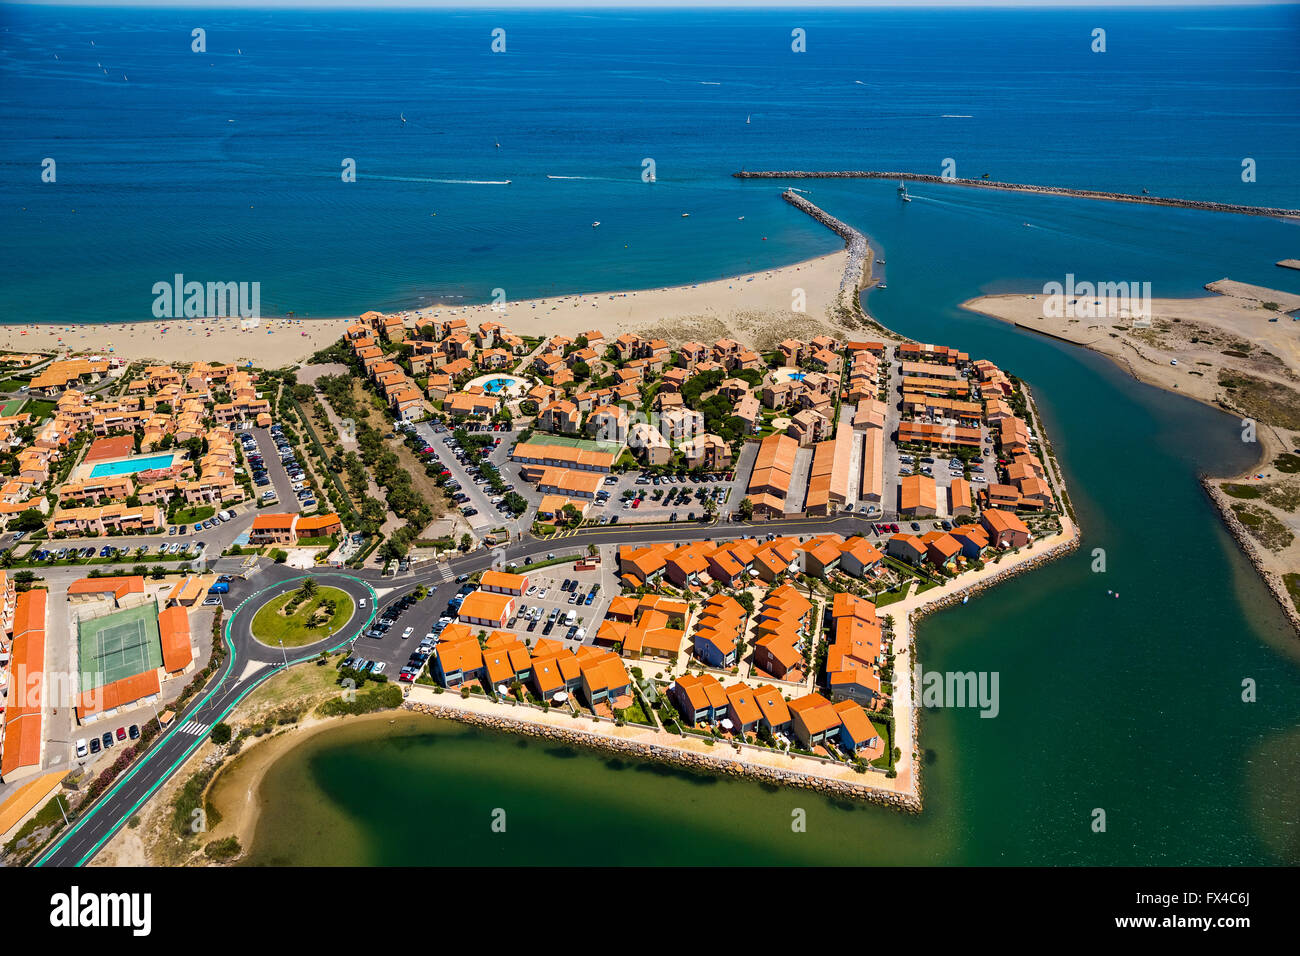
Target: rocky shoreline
(699,763)
(854,241)
(1025,188)
(1249,547)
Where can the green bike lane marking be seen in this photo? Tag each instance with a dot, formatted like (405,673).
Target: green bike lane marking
(104,798)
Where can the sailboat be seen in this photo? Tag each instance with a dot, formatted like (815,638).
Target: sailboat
(403,117)
(902,192)
(746,120)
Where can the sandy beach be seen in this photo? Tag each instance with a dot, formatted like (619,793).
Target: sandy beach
(756,309)
(274,342)
(1184,348)
(1227,350)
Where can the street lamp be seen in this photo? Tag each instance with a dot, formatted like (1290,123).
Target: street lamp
(284,652)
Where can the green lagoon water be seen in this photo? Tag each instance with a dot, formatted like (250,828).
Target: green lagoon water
(1129,704)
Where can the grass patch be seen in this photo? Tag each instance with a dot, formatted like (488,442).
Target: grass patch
(1292,582)
(226,849)
(40,410)
(890,597)
(383,697)
(1243,491)
(1287,463)
(191,515)
(1265,401)
(310,621)
(1265,528)
(50,815)
(886,760)
(636,713)
(1283,497)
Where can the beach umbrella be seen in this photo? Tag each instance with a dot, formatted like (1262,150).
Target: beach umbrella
(560,697)
(725,723)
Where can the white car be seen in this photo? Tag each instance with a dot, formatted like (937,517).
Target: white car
(407,633)
(362,604)
(378,668)
(82,748)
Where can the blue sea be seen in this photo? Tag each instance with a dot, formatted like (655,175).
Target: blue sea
(226,165)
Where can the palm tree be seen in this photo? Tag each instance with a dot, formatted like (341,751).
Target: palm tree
(308,588)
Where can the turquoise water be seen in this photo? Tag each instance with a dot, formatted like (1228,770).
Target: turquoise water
(250,144)
(129,466)
(497,384)
(1132,705)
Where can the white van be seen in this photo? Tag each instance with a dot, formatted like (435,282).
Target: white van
(570,618)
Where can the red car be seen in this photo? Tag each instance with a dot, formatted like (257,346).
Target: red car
(636,502)
(121,733)
(427,450)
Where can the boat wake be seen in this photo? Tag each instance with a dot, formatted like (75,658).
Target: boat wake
(452,182)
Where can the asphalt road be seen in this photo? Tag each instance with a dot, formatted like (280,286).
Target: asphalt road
(250,662)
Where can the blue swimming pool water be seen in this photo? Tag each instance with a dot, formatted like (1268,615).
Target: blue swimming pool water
(129,466)
(798,376)
(498,384)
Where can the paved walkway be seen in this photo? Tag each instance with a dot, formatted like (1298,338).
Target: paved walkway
(480,705)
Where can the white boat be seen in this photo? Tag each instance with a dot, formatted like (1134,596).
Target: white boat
(906,198)
(595,224)
(746,120)
(740,219)
(403,117)
(686,215)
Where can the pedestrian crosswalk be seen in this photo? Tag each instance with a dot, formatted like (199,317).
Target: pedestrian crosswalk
(194,728)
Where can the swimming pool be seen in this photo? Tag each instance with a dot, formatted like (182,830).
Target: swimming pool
(497,384)
(129,466)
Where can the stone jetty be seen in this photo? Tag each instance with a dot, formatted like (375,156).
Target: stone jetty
(1024,188)
(854,241)
(688,760)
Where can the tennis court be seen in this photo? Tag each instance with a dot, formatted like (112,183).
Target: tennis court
(12,407)
(118,645)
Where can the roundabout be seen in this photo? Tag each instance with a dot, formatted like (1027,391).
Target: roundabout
(302,616)
(337,609)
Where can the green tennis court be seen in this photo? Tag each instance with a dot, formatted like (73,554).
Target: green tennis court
(118,645)
(12,407)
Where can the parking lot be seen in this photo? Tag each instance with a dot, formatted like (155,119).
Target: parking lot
(548,597)
(389,642)
(275,469)
(472,493)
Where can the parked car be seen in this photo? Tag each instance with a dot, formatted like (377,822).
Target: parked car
(82,749)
